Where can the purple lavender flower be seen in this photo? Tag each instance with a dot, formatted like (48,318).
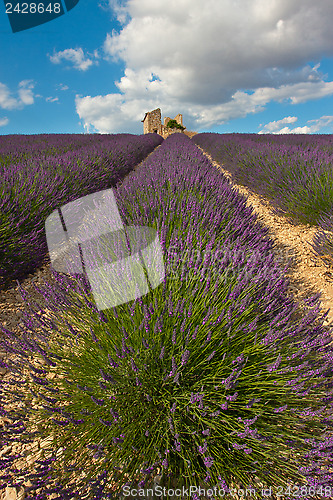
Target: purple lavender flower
(208,461)
(194,336)
(95,339)
(203,449)
(162,352)
(112,362)
(115,414)
(107,376)
(108,423)
(99,402)
(133,365)
(211,355)
(174,367)
(185,357)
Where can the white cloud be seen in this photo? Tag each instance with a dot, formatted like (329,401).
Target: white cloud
(61,86)
(25,92)
(75,56)
(317,125)
(271,127)
(212,64)
(25,95)
(4,121)
(52,99)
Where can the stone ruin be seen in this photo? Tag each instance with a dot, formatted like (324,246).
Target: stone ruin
(152,123)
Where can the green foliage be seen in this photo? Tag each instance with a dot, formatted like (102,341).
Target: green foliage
(174,124)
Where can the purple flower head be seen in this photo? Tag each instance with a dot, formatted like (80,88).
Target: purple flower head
(203,449)
(107,376)
(275,365)
(185,357)
(112,362)
(108,423)
(252,402)
(233,397)
(115,414)
(194,336)
(95,339)
(209,337)
(177,445)
(238,360)
(174,367)
(133,365)
(208,461)
(99,402)
(282,408)
(211,355)
(162,352)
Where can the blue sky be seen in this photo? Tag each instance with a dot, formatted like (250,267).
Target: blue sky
(258,66)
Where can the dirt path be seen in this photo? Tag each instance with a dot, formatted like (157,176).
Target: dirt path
(308,273)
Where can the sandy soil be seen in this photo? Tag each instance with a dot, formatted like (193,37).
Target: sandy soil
(308,273)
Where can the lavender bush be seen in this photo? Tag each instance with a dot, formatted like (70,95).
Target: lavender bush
(213,378)
(323,240)
(37,184)
(293,171)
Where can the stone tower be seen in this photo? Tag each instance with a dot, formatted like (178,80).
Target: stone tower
(152,123)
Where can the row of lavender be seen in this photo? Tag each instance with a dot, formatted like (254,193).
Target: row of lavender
(15,148)
(294,172)
(32,188)
(214,378)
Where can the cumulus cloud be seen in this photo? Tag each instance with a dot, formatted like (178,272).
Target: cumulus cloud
(52,99)
(271,127)
(75,56)
(212,64)
(275,126)
(4,121)
(24,97)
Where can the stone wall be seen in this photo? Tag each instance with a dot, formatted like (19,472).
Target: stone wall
(179,119)
(169,131)
(152,123)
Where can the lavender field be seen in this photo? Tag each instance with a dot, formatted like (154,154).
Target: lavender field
(41,173)
(216,377)
(295,172)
